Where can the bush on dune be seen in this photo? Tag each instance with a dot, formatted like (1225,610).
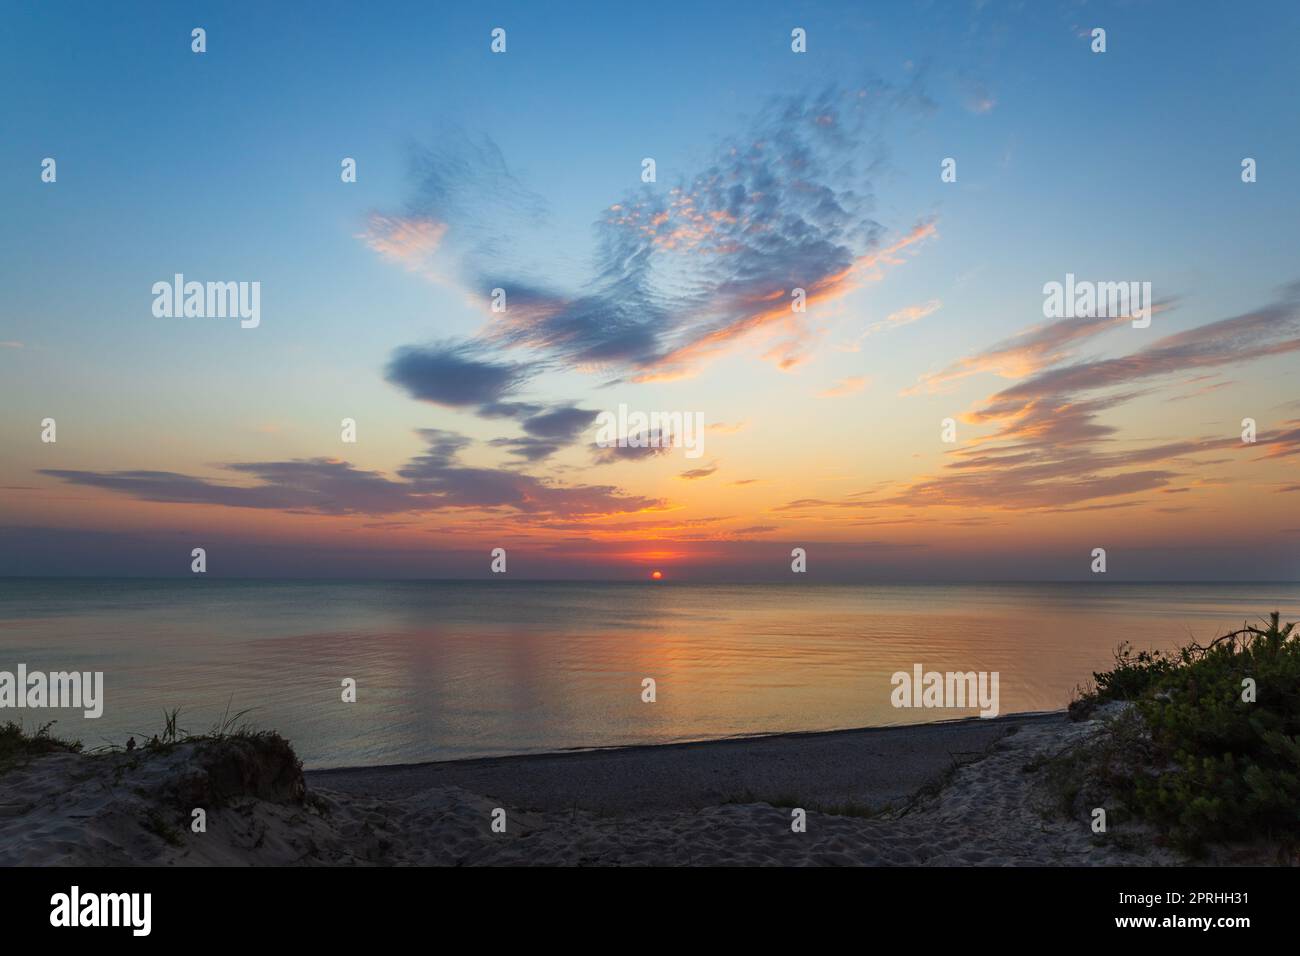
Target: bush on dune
(18,745)
(1220,757)
(230,762)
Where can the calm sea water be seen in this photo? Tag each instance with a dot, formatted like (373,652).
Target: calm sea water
(460,669)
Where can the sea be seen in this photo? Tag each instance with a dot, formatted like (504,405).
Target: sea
(445,670)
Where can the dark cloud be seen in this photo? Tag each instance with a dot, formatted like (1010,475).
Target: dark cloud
(641,447)
(461,376)
(565,422)
(316,484)
(432,481)
(529,449)
(510,409)
(548,430)
(454,375)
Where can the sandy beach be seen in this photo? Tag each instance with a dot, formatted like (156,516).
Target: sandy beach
(958,793)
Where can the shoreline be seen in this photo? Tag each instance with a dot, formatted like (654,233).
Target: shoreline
(868,766)
(691,742)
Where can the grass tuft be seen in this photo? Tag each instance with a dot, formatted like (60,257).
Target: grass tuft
(17,746)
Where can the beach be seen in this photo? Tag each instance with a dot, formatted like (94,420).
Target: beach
(487,731)
(948,794)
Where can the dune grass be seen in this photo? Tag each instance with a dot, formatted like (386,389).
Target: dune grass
(1208,750)
(18,745)
(230,726)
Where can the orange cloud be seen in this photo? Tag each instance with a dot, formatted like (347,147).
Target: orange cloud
(407,241)
(845,386)
(771,312)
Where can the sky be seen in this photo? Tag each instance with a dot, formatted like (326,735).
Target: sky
(524,171)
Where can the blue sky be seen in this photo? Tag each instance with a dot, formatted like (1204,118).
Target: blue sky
(1123,165)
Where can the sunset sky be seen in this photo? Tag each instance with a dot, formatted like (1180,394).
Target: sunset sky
(775,171)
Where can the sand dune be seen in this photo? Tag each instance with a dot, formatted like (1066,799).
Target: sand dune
(946,794)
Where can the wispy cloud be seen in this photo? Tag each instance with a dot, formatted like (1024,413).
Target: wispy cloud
(904,316)
(1271,330)
(1025,353)
(684,270)
(845,386)
(432,481)
(694,474)
(409,241)
(976,96)
(725,428)
(1052,448)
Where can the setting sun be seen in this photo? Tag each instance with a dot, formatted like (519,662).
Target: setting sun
(844,338)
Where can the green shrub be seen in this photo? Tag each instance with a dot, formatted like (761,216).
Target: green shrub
(1133,674)
(1220,766)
